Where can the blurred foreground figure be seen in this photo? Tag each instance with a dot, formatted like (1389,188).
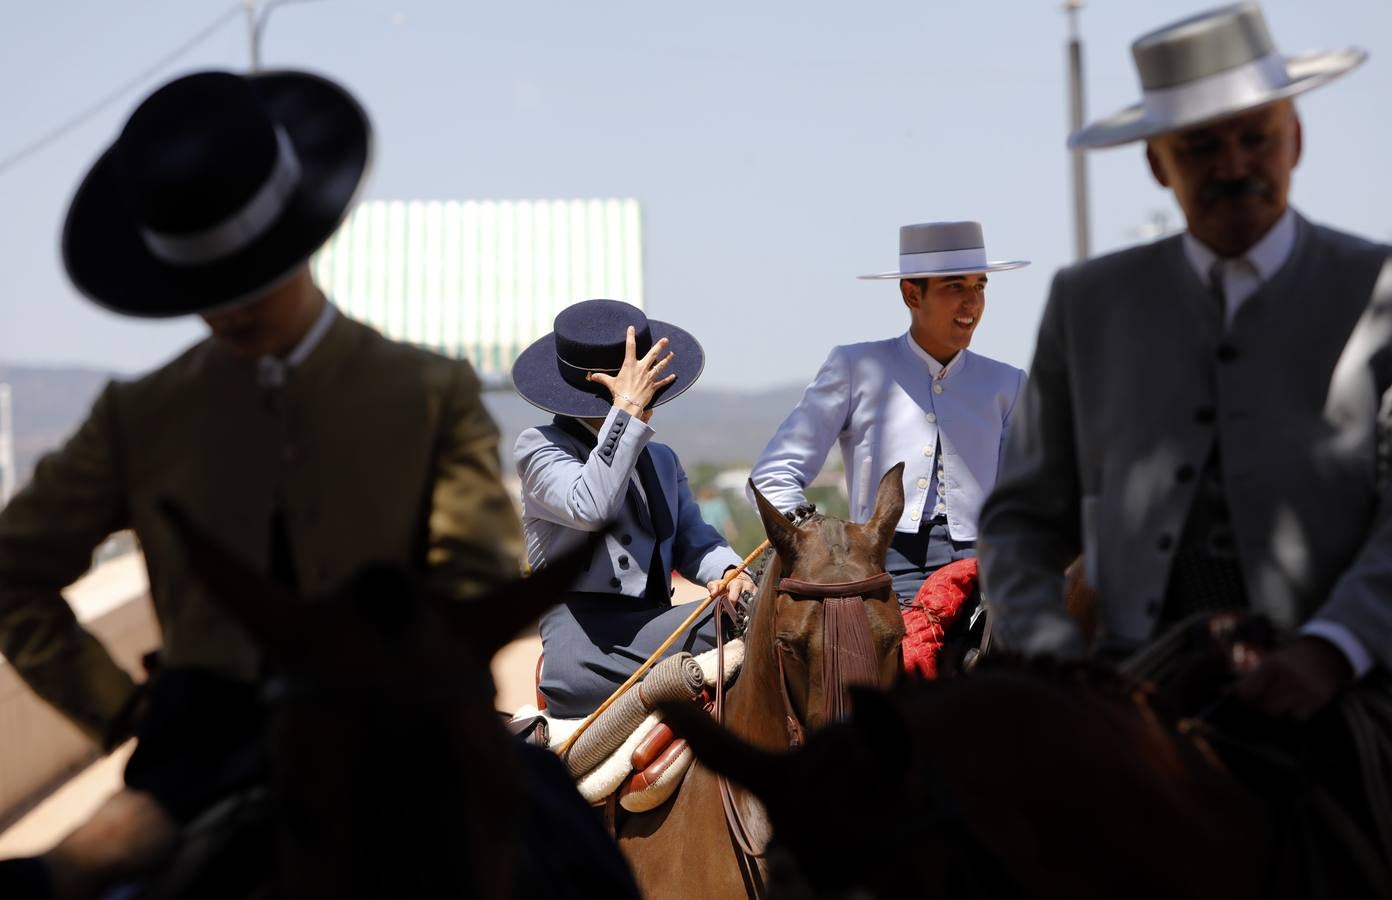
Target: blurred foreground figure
(303,441)
(1202,418)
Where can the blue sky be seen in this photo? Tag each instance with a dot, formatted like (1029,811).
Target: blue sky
(776,146)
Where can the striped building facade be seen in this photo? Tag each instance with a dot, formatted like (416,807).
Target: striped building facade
(480,279)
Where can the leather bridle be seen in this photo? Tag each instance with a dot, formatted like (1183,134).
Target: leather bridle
(849,596)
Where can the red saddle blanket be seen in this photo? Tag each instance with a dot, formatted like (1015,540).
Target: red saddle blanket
(935,607)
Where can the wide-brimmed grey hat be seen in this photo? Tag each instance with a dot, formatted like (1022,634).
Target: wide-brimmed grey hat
(944,248)
(1208,67)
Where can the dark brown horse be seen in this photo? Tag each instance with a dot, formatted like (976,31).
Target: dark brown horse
(823,621)
(1043,781)
(392,775)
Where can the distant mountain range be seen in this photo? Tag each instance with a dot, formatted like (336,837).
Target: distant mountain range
(706,426)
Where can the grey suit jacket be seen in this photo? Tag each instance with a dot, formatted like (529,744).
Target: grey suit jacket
(1133,381)
(567,490)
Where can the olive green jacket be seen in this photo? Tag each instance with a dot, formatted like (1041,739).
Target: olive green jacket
(377,451)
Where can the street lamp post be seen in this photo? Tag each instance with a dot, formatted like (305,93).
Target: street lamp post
(256,24)
(7,460)
(1075,108)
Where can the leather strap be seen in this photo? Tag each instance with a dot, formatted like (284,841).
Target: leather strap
(797,732)
(823,590)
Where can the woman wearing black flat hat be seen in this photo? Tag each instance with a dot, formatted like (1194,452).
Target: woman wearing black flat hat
(601,372)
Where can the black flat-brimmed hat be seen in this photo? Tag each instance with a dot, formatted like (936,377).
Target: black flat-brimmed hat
(219,187)
(590,336)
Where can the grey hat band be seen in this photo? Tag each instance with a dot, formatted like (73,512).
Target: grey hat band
(243,227)
(965,258)
(1212,95)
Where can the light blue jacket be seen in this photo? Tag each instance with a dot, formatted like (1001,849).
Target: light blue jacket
(568,490)
(877,400)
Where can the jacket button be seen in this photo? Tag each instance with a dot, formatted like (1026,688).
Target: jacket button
(623,562)
(1205,415)
(626,540)
(1184,474)
(1227,353)
(1164,543)
(615,583)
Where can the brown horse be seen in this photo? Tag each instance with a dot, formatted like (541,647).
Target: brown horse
(822,622)
(392,775)
(1047,781)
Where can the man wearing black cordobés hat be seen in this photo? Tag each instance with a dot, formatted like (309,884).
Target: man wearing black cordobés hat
(601,372)
(305,442)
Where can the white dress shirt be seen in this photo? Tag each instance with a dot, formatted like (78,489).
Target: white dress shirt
(271,370)
(936,504)
(1242,278)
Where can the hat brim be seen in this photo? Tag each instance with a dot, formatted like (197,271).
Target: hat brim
(536,375)
(109,262)
(994,266)
(1306,72)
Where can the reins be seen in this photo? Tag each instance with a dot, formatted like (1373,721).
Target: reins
(848,657)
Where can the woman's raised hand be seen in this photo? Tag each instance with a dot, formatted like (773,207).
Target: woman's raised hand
(639,379)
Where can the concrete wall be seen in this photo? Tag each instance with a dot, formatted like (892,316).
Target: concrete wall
(39,748)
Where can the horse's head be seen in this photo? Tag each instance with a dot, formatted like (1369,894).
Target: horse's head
(826,609)
(838,806)
(386,749)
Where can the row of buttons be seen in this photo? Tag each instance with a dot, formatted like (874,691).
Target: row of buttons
(1203,415)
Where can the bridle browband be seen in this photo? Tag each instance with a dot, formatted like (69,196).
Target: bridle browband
(816,590)
(844,603)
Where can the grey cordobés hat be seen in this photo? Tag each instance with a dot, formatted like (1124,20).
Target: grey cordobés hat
(944,248)
(1208,67)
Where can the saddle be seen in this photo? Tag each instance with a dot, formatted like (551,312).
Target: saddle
(629,757)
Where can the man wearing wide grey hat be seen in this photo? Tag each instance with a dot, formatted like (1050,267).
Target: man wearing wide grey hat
(921,398)
(1201,420)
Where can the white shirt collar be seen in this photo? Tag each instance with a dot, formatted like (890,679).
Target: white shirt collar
(935,368)
(1266,256)
(271,371)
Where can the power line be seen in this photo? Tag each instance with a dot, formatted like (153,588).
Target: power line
(81,118)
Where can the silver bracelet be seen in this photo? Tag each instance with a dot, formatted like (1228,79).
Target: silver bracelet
(627,399)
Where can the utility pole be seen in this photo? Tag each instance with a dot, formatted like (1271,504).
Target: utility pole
(7,460)
(1081,228)
(256,24)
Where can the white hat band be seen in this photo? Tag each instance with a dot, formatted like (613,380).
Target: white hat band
(945,260)
(244,226)
(1216,94)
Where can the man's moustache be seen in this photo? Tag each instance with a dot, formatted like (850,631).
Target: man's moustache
(1236,190)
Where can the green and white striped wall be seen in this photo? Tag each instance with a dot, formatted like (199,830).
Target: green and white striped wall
(480,278)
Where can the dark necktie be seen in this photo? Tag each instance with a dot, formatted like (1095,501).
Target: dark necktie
(1219,290)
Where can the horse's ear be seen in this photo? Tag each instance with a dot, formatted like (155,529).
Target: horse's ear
(490,621)
(782,533)
(889,506)
(718,749)
(272,615)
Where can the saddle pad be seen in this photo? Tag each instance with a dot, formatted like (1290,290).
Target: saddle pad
(605,778)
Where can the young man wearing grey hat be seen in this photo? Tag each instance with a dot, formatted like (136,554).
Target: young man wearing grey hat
(305,442)
(921,398)
(1201,420)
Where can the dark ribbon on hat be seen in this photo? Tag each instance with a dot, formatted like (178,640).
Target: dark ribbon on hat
(656,513)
